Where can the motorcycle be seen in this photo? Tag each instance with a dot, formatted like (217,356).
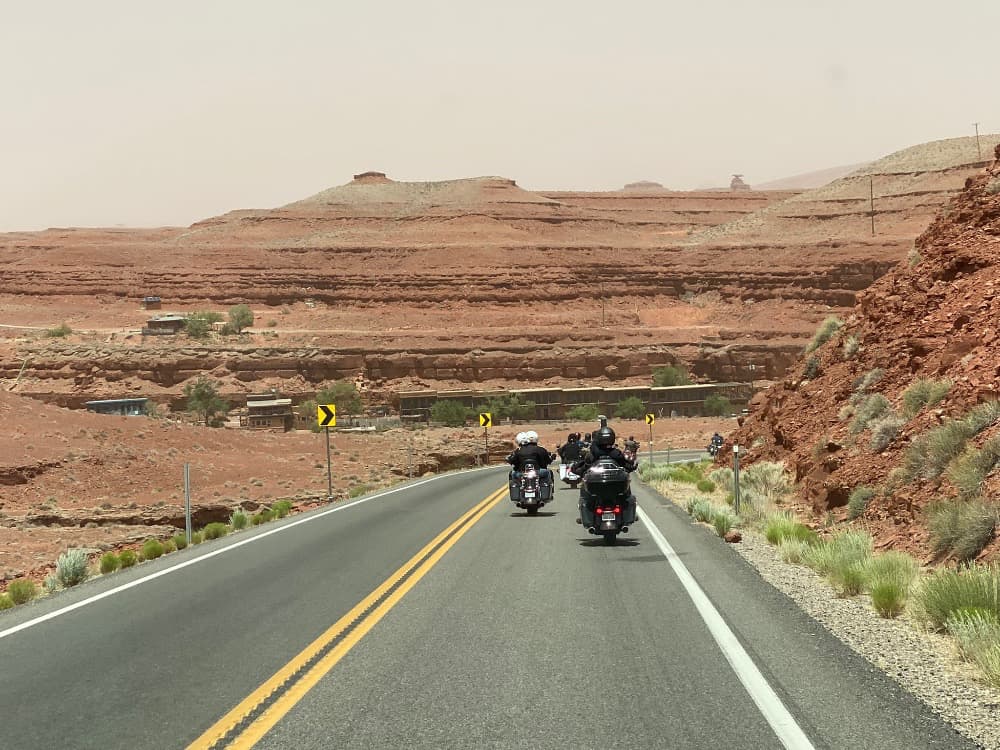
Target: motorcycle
(528,490)
(713,449)
(566,474)
(607,505)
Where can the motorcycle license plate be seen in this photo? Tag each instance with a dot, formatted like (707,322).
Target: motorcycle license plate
(529,493)
(608,516)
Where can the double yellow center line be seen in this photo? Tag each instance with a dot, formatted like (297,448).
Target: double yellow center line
(249,721)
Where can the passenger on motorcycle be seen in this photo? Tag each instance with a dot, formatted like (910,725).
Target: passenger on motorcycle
(530,450)
(570,452)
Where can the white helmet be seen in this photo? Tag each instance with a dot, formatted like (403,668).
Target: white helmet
(522,438)
(532,436)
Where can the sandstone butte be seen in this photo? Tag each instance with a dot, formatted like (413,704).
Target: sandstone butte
(467,283)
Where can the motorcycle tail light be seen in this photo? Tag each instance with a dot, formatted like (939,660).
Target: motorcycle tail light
(598,510)
(618,510)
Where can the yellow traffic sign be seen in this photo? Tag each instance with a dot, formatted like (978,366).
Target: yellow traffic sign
(485,419)
(326,415)
(650,419)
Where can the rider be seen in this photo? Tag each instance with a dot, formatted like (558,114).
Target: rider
(570,452)
(603,446)
(530,450)
(717,439)
(632,445)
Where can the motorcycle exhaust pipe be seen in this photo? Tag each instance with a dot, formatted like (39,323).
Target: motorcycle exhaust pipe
(624,529)
(591,530)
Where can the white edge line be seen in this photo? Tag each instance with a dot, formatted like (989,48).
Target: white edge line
(221,551)
(770,705)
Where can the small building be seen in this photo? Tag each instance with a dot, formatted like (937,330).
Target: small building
(265,411)
(151,303)
(124,407)
(164,325)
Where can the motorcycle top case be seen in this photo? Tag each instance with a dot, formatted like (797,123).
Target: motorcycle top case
(606,481)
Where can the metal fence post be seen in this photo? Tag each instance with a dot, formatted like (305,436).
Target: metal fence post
(187,502)
(736,479)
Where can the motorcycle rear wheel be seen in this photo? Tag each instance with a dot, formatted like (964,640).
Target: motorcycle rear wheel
(610,537)
(532,509)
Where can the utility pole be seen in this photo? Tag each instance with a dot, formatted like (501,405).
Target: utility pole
(187,502)
(736,479)
(602,305)
(979,149)
(871,200)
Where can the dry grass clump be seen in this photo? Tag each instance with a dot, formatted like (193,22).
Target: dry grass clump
(961,528)
(885,430)
(841,559)
(946,591)
(923,392)
(970,469)
(824,333)
(873,407)
(858,501)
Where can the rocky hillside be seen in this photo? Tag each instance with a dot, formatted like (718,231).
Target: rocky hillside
(901,398)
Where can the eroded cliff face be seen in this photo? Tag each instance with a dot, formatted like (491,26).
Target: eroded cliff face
(935,316)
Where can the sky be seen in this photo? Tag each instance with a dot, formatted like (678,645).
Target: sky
(117,112)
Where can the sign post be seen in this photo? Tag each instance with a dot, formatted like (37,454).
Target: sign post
(736,479)
(651,420)
(187,503)
(486,421)
(326,416)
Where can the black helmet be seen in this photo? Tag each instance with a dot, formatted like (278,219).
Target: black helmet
(605,437)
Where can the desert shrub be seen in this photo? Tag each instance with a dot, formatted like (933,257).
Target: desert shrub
(888,598)
(969,470)
(862,384)
(962,529)
(6,602)
(240,317)
(690,473)
(929,454)
(703,511)
(583,413)
(782,527)
(109,562)
(272,323)
(705,485)
(946,591)
(238,519)
(692,502)
(281,508)
(848,579)
(197,537)
(60,331)
(884,431)
(717,406)
(857,503)
(977,634)
(22,590)
(723,522)
(71,567)
(722,478)
(833,557)
(850,347)
(152,549)
(263,516)
(873,407)
(923,392)
(169,546)
(982,416)
(655,472)
(846,412)
(766,478)
(450,413)
(913,257)
(892,566)
(127,558)
(51,583)
(215,530)
(670,375)
(180,541)
(792,550)
(824,333)
(358,490)
(993,186)
(812,368)
(630,408)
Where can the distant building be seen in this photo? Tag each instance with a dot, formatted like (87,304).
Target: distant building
(737,183)
(265,411)
(151,303)
(164,325)
(125,407)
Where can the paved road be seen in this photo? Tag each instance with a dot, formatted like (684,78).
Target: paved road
(507,632)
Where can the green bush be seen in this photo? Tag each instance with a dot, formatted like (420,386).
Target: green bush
(857,503)
(946,591)
(848,579)
(197,328)
(22,590)
(450,413)
(689,473)
(793,550)
(835,557)
(344,394)
(5,602)
(152,549)
(884,431)
(850,347)
(929,454)
(982,416)
(977,633)
(169,546)
(923,392)
(630,408)
(873,407)
(583,413)
(812,369)
(888,598)
(60,331)
(71,567)
(281,508)
(722,478)
(180,541)
(664,377)
(703,511)
(717,406)
(970,469)
(109,562)
(197,537)
(240,317)
(723,522)
(894,566)
(766,478)
(51,583)
(215,530)
(358,490)
(962,529)
(238,519)
(127,558)
(862,384)
(263,516)
(824,333)
(781,527)
(705,485)
(510,406)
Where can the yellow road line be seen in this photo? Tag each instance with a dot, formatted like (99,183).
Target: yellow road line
(416,570)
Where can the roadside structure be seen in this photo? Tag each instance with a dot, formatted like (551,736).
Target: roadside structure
(151,303)
(267,411)
(125,407)
(164,325)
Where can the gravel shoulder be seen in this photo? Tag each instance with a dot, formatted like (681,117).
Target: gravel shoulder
(924,664)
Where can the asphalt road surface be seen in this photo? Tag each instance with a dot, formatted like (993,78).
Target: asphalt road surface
(439,616)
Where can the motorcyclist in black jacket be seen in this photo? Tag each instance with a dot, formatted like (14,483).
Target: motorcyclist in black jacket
(529,450)
(603,446)
(570,452)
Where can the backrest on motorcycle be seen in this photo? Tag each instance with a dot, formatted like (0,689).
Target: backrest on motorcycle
(530,465)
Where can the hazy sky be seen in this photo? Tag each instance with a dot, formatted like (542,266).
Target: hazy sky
(142,113)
